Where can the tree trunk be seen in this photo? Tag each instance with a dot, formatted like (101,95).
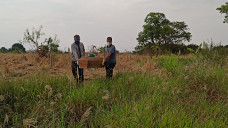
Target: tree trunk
(51,59)
(157,52)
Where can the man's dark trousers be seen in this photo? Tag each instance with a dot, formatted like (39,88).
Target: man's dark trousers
(77,72)
(109,69)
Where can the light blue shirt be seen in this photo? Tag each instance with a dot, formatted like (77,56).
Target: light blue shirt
(112,58)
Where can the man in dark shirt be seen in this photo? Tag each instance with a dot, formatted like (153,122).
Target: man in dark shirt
(110,58)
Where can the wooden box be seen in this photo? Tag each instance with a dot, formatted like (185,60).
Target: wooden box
(90,62)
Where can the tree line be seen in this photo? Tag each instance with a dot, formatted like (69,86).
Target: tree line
(16,47)
(33,37)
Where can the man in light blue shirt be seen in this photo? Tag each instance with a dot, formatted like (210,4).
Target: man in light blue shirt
(110,58)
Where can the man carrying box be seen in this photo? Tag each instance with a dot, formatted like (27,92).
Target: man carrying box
(110,58)
(78,51)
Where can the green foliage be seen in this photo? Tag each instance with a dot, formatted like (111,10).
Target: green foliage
(193,46)
(218,55)
(214,53)
(159,30)
(191,50)
(3,50)
(43,50)
(166,49)
(53,44)
(17,47)
(180,33)
(177,48)
(224,9)
(172,64)
(101,49)
(197,50)
(169,63)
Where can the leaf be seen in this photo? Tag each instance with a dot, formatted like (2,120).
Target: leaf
(29,122)
(191,50)
(2,98)
(179,53)
(6,120)
(197,50)
(85,116)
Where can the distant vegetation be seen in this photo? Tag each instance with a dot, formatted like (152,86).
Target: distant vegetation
(160,33)
(16,48)
(224,9)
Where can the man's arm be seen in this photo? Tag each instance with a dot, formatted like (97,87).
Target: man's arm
(112,51)
(83,49)
(74,53)
(107,56)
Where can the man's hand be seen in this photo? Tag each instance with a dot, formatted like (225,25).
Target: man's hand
(103,62)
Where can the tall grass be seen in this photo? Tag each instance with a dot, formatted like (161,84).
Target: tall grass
(191,93)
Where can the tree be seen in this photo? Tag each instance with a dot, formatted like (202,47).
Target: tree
(41,47)
(33,38)
(224,9)
(17,47)
(179,33)
(3,50)
(53,44)
(159,30)
(101,49)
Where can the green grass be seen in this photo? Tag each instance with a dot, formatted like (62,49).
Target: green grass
(191,93)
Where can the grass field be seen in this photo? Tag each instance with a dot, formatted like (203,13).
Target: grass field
(168,91)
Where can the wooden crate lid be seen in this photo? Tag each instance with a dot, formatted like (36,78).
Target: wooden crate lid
(91,59)
(90,62)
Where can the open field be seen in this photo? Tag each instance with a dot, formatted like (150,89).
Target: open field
(19,65)
(168,91)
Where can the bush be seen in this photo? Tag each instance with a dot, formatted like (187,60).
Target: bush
(17,47)
(3,50)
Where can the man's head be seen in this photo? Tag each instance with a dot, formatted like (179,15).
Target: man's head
(77,37)
(109,40)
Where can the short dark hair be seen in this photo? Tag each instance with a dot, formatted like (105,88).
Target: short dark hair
(109,38)
(77,36)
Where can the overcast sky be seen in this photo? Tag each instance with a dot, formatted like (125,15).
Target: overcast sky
(94,20)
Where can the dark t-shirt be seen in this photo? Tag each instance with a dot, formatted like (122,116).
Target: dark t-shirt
(112,58)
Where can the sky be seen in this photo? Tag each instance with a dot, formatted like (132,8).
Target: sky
(95,20)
